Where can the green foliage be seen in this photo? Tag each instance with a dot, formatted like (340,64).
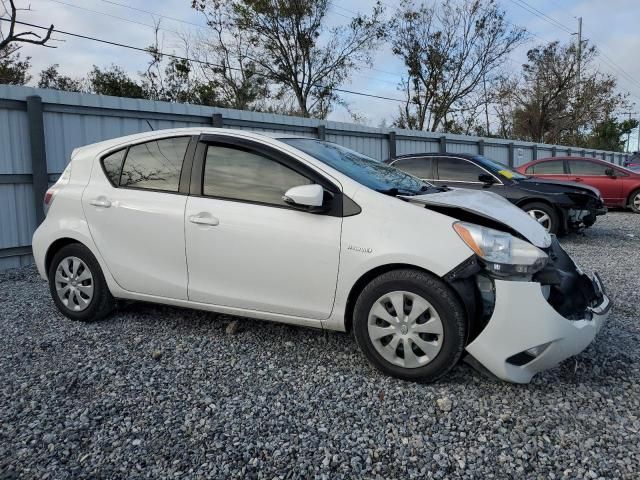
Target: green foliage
(51,78)
(114,81)
(610,135)
(14,69)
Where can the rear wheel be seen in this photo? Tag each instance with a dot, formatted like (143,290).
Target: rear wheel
(410,325)
(77,285)
(545,215)
(634,201)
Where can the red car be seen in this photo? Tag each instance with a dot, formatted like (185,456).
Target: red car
(619,186)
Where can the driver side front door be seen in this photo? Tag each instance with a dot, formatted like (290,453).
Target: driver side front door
(247,248)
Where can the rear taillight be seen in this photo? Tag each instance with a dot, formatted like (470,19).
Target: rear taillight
(48,199)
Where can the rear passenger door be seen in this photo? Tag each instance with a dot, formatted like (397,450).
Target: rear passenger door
(135,212)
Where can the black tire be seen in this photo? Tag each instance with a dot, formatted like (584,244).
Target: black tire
(102,302)
(443,300)
(632,201)
(554,218)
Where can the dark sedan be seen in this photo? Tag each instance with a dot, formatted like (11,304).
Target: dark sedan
(558,206)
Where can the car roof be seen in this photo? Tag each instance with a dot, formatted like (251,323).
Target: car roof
(468,156)
(113,143)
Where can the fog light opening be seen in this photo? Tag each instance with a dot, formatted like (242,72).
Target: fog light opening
(522,358)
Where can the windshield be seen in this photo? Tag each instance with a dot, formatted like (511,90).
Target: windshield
(365,170)
(498,168)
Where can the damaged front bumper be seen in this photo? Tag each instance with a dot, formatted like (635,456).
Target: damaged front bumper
(537,324)
(524,321)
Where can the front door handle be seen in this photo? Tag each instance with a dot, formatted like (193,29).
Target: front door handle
(204,219)
(577,179)
(100,202)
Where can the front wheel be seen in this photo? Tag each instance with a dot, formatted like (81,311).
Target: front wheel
(545,215)
(634,201)
(77,285)
(410,325)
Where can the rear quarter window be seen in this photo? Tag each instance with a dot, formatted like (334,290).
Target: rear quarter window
(112,166)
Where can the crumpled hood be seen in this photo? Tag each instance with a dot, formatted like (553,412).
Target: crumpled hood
(488,205)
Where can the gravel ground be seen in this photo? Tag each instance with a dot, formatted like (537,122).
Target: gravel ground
(163,392)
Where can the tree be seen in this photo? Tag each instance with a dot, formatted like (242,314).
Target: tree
(114,81)
(12,37)
(551,106)
(14,69)
(610,135)
(225,63)
(292,44)
(449,49)
(51,78)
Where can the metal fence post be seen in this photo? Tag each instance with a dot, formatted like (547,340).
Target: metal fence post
(321,132)
(534,154)
(392,144)
(217,121)
(481,147)
(511,150)
(553,151)
(443,144)
(583,153)
(569,152)
(38,153)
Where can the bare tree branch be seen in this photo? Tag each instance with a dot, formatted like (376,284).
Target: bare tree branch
(21,37)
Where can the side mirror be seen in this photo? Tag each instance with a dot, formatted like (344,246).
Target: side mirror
(486,178)
(610,172)
(310,196)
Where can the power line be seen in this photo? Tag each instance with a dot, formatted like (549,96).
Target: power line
(193,60)
(114,16)
(142,10)
(538,13)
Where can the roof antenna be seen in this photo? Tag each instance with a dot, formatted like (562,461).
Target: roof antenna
(149,123)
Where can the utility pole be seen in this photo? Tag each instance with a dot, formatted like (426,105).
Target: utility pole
(579,52)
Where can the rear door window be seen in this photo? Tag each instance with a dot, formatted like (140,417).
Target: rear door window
(154,165)
(418,167)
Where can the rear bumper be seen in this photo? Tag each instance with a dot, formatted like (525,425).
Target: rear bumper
(523,320)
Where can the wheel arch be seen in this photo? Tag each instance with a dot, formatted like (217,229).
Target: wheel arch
(368,276)
(55,248)
(559,211)
(633,192)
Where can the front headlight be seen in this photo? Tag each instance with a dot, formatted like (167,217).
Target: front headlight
(502,252)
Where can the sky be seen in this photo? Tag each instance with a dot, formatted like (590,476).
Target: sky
(613,25)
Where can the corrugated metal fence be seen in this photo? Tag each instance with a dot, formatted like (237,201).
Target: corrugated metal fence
(39,128)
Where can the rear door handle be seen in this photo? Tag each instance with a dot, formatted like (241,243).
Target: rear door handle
(204,219)
(577,179)
(100,202)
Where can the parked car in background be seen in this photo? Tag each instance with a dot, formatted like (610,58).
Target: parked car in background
(307,232)
(633,160)
(559,207)
(619,186)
